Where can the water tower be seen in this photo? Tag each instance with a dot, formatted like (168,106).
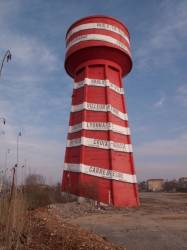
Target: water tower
(99,156)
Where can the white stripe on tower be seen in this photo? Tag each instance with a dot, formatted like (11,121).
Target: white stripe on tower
(100,172)
(98,37)
(99,107)
(99,26)
(98,83)
(99,126)
(97,143)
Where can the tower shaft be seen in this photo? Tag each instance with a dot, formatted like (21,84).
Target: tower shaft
(99,156)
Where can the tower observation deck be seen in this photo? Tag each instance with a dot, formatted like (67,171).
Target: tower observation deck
(99,156)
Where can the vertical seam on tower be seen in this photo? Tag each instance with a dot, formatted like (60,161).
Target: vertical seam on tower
(109,151)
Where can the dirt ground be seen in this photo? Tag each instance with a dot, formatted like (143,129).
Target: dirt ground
(45,231)
(159,223)
(50,233)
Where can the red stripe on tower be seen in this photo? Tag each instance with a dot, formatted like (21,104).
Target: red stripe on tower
(99,157)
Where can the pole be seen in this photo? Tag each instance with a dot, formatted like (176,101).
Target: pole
(13,182)
(17,160)
(17,157)
(6,157)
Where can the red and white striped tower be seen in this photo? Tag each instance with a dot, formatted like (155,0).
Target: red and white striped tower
(99,159)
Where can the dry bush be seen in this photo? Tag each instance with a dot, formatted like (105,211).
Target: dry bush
(43,195)
(38,194)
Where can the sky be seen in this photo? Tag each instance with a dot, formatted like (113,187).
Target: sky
(35,90)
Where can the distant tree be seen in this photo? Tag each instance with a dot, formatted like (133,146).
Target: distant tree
(142,186)
(170,186)
(34,179)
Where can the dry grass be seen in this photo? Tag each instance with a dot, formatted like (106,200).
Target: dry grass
(13,220)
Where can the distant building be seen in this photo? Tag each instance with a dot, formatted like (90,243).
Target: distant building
(155,185)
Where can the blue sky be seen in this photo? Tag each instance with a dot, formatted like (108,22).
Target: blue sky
(35,91)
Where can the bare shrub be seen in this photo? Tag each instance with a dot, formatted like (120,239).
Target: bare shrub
(34,179)
(38,194)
